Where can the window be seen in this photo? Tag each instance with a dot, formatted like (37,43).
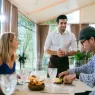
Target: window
(52,28)
(93,25)
(74,17)
(27,41)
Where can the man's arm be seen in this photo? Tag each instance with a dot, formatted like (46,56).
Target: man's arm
(48,44)
(86,68)
(73,46)
(70,53)
(59,53)
(50,52)
(87,74)
(89,79)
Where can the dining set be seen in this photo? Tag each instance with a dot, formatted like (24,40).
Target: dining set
(10,85)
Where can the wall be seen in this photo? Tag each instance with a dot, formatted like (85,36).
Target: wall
(87,14)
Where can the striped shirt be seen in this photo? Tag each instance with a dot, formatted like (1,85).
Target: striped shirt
(87,72)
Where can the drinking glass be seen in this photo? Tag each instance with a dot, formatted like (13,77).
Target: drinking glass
(52,73)
(24,77)
(8,83)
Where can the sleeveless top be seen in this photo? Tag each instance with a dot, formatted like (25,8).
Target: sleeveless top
(4,68)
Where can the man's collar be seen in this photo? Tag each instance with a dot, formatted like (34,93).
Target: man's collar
(59,32)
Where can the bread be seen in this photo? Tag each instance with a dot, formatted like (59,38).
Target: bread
(32,77)
(35,84)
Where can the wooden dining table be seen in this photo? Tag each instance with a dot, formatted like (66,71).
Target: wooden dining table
(78,87)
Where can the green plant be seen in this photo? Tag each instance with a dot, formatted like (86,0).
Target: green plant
(22,59)
(81,55)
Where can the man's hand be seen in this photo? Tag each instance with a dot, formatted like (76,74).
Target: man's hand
(65,73)
(60,53)
(69,78)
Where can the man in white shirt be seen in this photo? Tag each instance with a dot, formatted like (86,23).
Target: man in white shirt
(60,44)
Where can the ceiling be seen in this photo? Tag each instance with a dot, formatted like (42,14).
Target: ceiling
(43,10)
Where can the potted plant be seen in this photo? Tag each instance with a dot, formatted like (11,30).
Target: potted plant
(81,57)
(22,59)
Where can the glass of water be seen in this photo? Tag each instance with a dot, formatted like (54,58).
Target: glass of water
(8,83)
(52,73)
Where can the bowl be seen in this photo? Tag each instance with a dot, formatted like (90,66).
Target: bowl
(36,87)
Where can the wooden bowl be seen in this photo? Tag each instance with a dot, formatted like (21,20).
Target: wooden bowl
(36,87)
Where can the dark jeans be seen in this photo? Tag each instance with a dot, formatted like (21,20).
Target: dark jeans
(62,64)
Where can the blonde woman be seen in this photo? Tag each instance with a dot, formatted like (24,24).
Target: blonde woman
(8,46)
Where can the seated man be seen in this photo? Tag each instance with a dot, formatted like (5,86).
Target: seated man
(87,71)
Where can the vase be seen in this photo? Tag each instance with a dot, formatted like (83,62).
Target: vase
(78,63)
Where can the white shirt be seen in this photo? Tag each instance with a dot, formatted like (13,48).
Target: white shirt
(65,41)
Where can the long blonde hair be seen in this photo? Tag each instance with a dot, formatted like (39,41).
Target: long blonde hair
(5,40)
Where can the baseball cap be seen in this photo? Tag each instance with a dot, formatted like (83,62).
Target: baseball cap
(86,33)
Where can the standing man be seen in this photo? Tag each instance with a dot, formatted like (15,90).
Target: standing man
(59,45)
